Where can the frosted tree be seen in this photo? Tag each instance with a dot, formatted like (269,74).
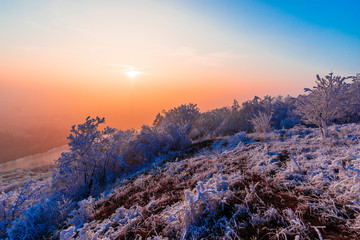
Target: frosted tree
(325,102)
(75,170)
(210,121)
(183,116)
(89,161)
(284,113)
(152,141)
(235,106)
(158,119)
(353,107)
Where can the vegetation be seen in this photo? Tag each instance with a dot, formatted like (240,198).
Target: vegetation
(249,171)
(328,100)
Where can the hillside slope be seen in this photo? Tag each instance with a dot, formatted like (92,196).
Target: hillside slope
(288,184)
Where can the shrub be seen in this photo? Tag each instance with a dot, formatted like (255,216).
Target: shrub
(208,124)
(183,117)
(81,215)
(153,141)
(37,222)
(261,122)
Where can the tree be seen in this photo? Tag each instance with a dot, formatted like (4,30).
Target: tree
(325,102)
(150,142)
(89,161)
(235,107)
(209,122)
(183,116)
(353,106)
(284,113)
(158,119)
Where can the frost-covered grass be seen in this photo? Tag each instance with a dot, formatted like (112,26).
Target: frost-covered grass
(17,178)
(287,184)
(15,174)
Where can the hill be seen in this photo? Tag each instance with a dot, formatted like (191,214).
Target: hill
(272,168)
(281,185)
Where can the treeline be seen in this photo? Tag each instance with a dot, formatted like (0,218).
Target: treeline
(97,158)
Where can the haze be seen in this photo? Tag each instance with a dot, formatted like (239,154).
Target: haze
(61,61)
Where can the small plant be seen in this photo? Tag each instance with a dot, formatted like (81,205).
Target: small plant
(261,122)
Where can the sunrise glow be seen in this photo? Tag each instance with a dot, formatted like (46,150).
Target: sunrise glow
(74,58)
(133,74)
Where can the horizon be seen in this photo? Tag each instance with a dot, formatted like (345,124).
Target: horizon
(127,61)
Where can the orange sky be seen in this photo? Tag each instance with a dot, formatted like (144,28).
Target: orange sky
(74,90)
(65,60)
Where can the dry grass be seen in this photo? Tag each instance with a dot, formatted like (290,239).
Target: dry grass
(289,187)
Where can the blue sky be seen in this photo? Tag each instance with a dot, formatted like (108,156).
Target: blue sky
(326,33)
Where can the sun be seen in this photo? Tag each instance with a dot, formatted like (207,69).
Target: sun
(133,73)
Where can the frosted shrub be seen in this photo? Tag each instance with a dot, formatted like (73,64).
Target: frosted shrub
(144,147)
(67,233)
(236,139)
(173,138)
(37,222)
(6,199)
(261,122)
(14,204)
(209,122)
(232,141)
(183,116)
(153,141)
(204,203)
(116,226)
(232,123)
(278,112)
(116,143)
(81,215)
(284,113)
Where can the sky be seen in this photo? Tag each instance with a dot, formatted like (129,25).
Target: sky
(63,60)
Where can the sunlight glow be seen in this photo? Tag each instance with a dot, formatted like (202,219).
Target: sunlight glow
(133,74)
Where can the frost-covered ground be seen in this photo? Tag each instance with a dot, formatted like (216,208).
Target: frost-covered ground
(288,184)
(17,173)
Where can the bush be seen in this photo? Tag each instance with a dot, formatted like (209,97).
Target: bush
(208,124)
(153,141)
(183,117)
(37,222)
(261,122)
